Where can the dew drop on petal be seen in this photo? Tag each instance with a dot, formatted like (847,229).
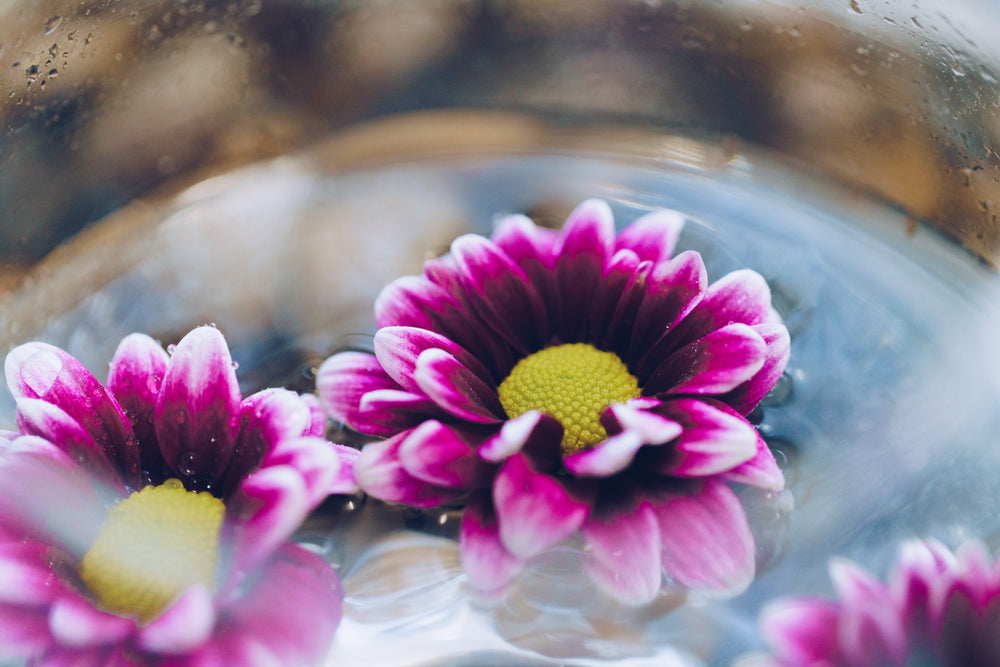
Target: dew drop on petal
(180,415)
(187,463)
(171,348)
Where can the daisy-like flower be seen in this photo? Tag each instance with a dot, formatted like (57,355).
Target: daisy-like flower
(568,382)
(146,521)
(939,608)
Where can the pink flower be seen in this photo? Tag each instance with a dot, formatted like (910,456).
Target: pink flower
(568,382)
(938,609)
(146,521)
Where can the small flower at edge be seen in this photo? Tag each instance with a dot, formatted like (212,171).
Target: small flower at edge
(146,521)
(579,381)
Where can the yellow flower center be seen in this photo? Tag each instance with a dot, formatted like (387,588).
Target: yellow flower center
(574,383)
(153,546)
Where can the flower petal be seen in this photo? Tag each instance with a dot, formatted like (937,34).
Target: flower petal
(39,370)
(705,540)
(870,629)
(75,622)
(487,563)
(456,389)
(745,397)
(435,454)
(134,379)
(23,631)
(380,473)
(583,248)
(534,511)
(714,364)
(532,429)
(617,452)
(183,626)
(713,440)
(653,236)
(761,471)
(741,296)
(624,554)
(317,416)
(196,411)
(533,249)
(27,576)
(325,468)
(397,350)
(803,631)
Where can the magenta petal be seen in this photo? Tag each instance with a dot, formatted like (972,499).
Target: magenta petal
(435,454)
(624,554)
(76,622)
(39,370)
(530,246)
(714,364)
(487,563)
(293,608)
(534,511)
(607,458)
(919,584)
(183,626)
(512,436)
(23,631)
(271,504)
(26,574)
(397,350)
(870,628)
(317,416)
(653,236)
(134,379)
(499,287)
(713,441)
(397,410)
(380,473)
(745,397)
(761,471)
(741,296)
(705,540)
(456,389)
(803,631)
(413,301)
(196,411)
(325,468)
(583,247)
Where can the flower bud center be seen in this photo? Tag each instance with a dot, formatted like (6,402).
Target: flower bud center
(153,546)
(574,383)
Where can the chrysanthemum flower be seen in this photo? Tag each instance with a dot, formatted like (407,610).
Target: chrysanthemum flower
(146,521)
(572,382)
(939,608)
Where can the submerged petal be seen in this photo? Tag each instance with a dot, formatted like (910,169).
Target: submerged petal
(805,631)
(183,626)
(196,410)
(534,511)
(869,628)
(75,621)
(705,540)
(487,563)
(624,554)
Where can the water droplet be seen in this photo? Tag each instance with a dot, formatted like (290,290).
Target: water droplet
(181,415)
(171,348)
(152,386)
(51,24)
(236,365)
(187,463)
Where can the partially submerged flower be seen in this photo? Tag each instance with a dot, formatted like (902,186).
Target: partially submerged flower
(146,521)
(939,608)
(573,381)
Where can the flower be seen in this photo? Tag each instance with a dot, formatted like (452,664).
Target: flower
(939,608)
(146,521)
(568,382)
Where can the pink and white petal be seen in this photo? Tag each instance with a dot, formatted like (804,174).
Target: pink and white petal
(803,631)
(607,458)
(501,292)
(745,397)
(741,296)
(653,236)
(293,607)
(869,629)
(714,364)
(518,432)
(397,410)
(197,408)
(50,422)
(435,454)
(397,350)
(712,441)
(343,380)
(381,474)
(490,568)
(623,556)
(182,627)
(39,370)
(534,511)
(343,480)
(761,471)
(76,622)
(24,631)
(325,468)
(456,389)
(920,584)
(583,247)
(27,575)
(414,301)
(616,300)
(317,416)
(652,427)
(100,656)
(134,379)
(705,541)
(526,244)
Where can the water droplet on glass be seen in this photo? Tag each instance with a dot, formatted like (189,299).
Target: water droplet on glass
(187,463)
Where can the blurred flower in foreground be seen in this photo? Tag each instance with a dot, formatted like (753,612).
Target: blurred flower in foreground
(939,608)
(573,381)
(146,522)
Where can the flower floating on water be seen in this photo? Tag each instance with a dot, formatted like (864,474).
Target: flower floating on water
(939,608)
(572,382)
(147,521)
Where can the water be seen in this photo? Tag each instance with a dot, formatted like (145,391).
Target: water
(886,420)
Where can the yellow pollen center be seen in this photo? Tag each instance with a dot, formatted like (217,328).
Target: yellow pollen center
(153,546)
(574,383)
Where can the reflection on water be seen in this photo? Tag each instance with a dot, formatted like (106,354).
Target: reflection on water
(884,422)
